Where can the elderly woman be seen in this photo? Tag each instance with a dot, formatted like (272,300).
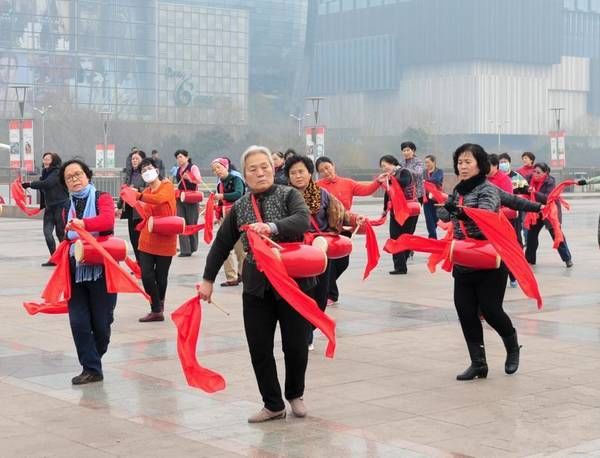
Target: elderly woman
(54,198)
(480,290)
(91,306)
(278,212)
(188,178)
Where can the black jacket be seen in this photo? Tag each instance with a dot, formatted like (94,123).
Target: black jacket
(53,192)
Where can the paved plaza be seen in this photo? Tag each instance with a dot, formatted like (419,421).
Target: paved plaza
(390,391)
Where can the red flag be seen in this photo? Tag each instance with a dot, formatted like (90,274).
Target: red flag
(436,193)
(187,319)
(209,218)
(58,287)
(130,197)
(18,194)
(134,267)
(288,289)
(398,201)
(550,210)
(372,247)
(439,249)
(500,233)
(52,309)
(193,229)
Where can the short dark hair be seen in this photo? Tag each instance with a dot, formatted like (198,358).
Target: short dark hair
(410,145)
(322,160)
(529,155)
(505,156)
(431,157)
(494,160)
(543,166)
(139,152)
(293,160)
(61,174)
(56,160)
(278,154)
(389,159)
(154,151)
(183,153)
(148,161)
(481,157)
(289,152)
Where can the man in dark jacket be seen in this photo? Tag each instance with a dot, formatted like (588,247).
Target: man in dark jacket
(54,198)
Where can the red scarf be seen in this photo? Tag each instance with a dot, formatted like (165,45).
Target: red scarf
(209,218)
(18,195)
(398,201)
(372,248)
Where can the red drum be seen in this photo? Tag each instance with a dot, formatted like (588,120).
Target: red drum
(191,197)
(477,254)
(337,246)
(86,254)
(509,212)
(302,261)
(166,225)
(414,208)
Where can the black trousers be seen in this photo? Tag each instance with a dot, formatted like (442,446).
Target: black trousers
(91,311)
(481,290)
(320,293)
(338,267)
(54,221)
(134,236)
(261,315)
(533,242)
(188,244)
(396,230)
(431,219)
(155,274)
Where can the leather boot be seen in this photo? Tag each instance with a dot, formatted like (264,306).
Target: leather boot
(513,350)
(478,367)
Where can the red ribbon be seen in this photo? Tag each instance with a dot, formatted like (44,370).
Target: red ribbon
(187,319)
(373,254)
(34,308)
(18,194)
(209,218)
(436,193)
(398,201)
(130,197)
(288,289)
(500,233)
(550,210)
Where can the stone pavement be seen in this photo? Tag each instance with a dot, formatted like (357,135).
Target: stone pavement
(389,392)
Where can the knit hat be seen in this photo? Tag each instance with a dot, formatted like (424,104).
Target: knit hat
(221,160)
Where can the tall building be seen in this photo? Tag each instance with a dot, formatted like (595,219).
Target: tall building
(456,67)
(142,60)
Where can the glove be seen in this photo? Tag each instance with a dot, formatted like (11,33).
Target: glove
(582,182)
(521,190)
(451,207)
(26,185)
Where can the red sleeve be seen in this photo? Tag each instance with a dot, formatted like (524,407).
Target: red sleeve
(360,189)
(105,221)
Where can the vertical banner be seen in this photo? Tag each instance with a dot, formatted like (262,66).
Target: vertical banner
(110,156)
(315,141)
(557,150)
(13,138)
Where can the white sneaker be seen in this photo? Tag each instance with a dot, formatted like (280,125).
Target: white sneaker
(311,347)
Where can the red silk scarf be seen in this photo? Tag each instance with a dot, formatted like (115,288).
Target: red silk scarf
(436,193)
(18,194)
(398,202)
(188,319)
(373,254)
(209,218)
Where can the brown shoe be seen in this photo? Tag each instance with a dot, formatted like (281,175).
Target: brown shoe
(298,407)
(230,283)
(266,415)
(152,316)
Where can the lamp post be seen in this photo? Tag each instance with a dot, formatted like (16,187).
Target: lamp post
(105,118)
(499,131)
(299,120)
(43,112)
(21,90)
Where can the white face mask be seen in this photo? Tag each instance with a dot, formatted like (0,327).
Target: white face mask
(504,166)
(150,175)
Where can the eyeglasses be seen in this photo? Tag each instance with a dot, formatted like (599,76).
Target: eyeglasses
(76,176)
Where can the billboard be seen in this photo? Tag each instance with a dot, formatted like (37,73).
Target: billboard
(110,156)
(315,141)
(13,136)
(557,150)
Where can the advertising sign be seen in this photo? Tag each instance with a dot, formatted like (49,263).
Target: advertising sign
(13,136)
(557,150)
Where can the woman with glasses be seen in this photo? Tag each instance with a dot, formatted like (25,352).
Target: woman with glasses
(91,306)
(540,185)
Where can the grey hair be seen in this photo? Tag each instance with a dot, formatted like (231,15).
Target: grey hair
(251,151)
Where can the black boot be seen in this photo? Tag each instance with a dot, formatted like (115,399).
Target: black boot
(478,367)
(512,353)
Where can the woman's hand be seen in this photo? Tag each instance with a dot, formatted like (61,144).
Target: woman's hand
(260,228)
(205,290)
(77,223)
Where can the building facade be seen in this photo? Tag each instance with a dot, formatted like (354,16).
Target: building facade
(142,60)
(468,67)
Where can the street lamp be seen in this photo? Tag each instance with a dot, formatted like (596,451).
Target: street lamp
(21,90)
(300,119)
(43,112)
(499,131)
(105,118)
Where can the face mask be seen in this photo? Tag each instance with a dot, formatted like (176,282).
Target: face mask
(150,175)
(504,166)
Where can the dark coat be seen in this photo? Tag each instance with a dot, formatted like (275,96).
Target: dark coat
(53,193)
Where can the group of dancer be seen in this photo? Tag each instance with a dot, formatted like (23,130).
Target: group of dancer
(281,201)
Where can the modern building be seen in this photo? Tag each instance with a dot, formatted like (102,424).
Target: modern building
(457,67)
(142,60)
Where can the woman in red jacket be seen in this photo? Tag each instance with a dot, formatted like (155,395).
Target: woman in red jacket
(91,306)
